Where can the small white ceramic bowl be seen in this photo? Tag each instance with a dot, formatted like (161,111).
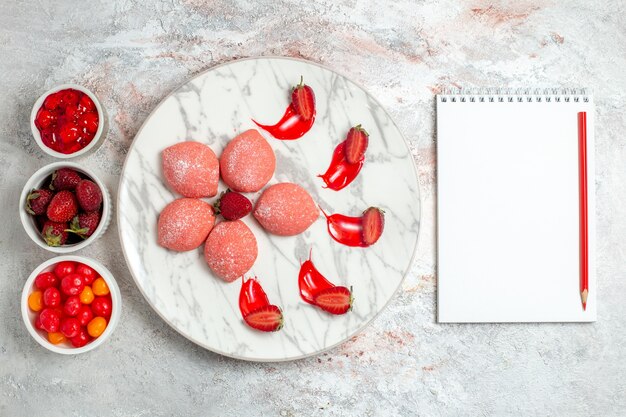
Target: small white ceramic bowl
(30,224)
(96,139)
(66,348)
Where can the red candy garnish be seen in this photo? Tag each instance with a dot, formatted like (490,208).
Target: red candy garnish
(72,306)
(64,268)
(101,306)
(299,115)
(67,121)
(311,282)
(84,315)
(88,273)
(362,231)
(70,327)
(340,173)
(256,309)
(50,319)
(251,297)
(291,126)
(51,297)
(38,324)
(347,160)
(72,284)
(46,280)
(317,290)
(81,339)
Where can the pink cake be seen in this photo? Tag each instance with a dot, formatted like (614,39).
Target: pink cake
(184,224)
(230,250)
(285,209)
(191,169)
(248,162)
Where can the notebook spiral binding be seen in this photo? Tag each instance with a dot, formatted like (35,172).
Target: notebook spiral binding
(510,95)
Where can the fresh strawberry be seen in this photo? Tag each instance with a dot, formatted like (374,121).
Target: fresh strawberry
(54,233)
(62,207)
(232,205)
(303,100)
(84,224)
(356,144)
(267,319)
(373,221)
(64,179)
(335,300)
(89,195)
(38,200)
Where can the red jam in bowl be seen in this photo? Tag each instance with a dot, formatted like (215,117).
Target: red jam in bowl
(67,121)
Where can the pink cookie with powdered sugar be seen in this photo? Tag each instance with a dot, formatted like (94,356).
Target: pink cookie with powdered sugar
(230,250)
(248,162)
(191,169)
(184,224)
(286,209)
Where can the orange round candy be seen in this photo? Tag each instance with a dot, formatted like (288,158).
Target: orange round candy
(96,326)
(56,337)
(35,301)
(87,296)
(100,287)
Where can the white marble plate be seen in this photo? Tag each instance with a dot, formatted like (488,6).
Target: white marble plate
(214,107)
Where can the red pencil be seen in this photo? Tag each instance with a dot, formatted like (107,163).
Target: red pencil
(582,174)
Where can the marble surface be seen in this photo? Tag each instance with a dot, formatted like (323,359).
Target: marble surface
(214,107)
(132,54)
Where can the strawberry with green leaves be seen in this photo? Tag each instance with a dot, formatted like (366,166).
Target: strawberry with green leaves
(84,224)
(37,201)
(54,233)
(356,144)
(303,100)
(89,195)
(232,205)
(63,207)
(64,179)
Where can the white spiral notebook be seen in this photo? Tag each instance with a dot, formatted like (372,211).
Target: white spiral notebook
(509,206)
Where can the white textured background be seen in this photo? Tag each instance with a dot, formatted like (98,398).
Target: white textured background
(133,53)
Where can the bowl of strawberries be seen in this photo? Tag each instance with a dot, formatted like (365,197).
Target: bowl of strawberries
(64,207)
(71,304)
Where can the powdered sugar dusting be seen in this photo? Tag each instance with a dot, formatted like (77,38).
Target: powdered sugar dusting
(191,169)
(286,209)
(230,250)
(185,223)
(248,162)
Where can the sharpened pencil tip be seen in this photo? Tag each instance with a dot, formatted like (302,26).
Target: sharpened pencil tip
(585,306)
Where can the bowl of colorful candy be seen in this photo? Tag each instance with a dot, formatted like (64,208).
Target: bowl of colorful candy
(67,121)
(71,304)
